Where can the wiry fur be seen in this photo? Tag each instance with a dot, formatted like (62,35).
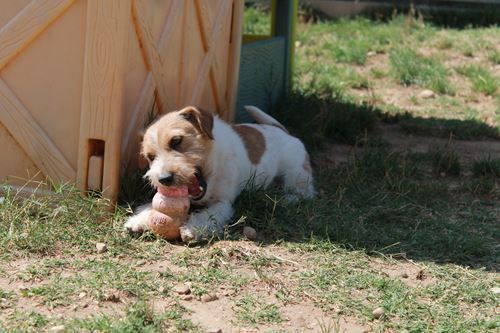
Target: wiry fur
(216,148)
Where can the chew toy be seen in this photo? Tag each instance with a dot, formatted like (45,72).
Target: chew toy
(170,211)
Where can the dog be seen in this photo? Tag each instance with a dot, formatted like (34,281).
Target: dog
(216,160)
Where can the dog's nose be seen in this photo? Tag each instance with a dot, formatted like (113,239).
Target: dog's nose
(167,179)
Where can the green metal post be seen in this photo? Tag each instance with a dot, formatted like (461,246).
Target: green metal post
(284,22)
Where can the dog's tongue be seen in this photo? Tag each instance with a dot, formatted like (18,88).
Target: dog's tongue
(194,188)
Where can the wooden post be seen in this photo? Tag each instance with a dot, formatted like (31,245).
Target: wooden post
(233,70)
(101,123)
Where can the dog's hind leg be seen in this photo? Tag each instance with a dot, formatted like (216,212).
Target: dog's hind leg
(208,222)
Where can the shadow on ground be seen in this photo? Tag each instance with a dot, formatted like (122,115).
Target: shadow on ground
(426,205)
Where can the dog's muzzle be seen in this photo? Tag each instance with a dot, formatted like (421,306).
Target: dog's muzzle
(198,186)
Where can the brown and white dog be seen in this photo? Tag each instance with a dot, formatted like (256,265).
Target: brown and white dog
(217,160)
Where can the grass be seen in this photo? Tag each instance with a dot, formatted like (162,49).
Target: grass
(445,161)
(380,213)
(482,80)
(139,317)
(253,311)
(411,68)
(487,166)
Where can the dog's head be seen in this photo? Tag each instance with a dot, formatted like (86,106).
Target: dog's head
(177,147)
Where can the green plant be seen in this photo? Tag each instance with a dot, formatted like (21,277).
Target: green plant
(411,68)
(482,79)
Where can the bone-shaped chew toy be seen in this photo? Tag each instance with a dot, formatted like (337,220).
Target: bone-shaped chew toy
(170,211)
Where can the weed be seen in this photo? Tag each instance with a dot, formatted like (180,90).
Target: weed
(411,68)
(257,21)
(494,56)
(378,73)
(250,309)
(482,80)
(487,166)
(138,318)
(445,162)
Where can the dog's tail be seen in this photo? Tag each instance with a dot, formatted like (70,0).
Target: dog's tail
(263,118)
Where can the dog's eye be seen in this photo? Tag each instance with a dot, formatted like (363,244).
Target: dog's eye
(150,157)
(175,142)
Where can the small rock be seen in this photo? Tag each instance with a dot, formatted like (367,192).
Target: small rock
(112,296)
(187,297)
(250,233)
(298,44)
(208,298)
(404,275)
(426,94)
(371,54)
(214,330)
(378,313)
(101,247)
(57,329)
(495,290)
(82,295)
(182,289)
(141,263)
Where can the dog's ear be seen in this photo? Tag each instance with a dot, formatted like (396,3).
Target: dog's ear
(203,120)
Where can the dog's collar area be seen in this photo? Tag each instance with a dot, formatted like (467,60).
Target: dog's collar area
(198,187)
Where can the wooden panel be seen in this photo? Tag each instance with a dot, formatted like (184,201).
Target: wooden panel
(151,54)
(26,26)
(9,9)
(47,78)
(17,167)
(32,138)
(103,88)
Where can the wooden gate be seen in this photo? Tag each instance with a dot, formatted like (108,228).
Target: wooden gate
(79,78)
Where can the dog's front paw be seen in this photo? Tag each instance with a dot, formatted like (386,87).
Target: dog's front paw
(188,235)
(137,223)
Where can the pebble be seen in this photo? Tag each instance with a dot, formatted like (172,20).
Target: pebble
(495,290)
(378,313)
(101,247)
(208,298)
(57,329)
(371,54)
(82,295)
(187,297)
(214,330)
(182,289)
(404,275)
(250,233)
(112,296)
(427,94)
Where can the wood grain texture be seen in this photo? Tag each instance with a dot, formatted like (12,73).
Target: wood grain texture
(234,57)
(27,25)
(141,110)
(152,57)
(103,88)
(203,70)
(31,137)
